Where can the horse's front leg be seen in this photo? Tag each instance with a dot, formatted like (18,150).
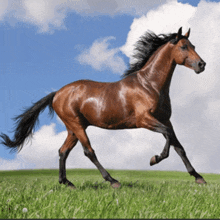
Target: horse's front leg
(172,140)
(165,153)
(181,152)
(151,123)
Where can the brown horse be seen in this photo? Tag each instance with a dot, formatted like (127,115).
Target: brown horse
(139,100)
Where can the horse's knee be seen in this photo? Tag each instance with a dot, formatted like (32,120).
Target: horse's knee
(63,154)
(88,153)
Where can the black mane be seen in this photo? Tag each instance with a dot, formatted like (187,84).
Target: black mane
(145,47)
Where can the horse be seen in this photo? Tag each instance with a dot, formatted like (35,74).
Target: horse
(140,99)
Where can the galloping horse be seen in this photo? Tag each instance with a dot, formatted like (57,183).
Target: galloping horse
(139,100)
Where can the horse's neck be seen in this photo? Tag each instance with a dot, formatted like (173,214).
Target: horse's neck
(159,69)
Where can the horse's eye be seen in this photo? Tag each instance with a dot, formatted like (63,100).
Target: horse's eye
(184,47)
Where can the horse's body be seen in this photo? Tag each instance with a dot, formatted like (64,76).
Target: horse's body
(140,100)
(116,105)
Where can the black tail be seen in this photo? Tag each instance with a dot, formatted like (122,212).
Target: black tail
(26,122)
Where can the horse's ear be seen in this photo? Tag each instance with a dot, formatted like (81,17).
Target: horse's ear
(187,34)
(178,37)
(179,34)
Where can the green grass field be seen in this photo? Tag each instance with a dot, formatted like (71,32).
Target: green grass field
(144,194)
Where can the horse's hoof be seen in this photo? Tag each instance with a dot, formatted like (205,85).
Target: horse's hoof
(116,185)
(71,186)
(200,181)
(153,160)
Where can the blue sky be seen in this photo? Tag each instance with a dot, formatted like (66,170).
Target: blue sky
(40,53)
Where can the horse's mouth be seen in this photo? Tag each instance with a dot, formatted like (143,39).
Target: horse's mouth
(200,70)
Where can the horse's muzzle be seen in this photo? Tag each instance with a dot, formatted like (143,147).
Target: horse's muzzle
(199,66)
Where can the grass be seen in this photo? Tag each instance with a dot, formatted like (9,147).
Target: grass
(144,194)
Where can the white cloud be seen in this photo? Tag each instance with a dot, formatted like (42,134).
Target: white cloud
(50,14)
(45,14)
(101,57)
(3,9)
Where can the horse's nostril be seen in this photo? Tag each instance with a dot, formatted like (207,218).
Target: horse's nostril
(201,64)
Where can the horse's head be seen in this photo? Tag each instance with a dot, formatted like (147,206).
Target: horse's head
(184,53)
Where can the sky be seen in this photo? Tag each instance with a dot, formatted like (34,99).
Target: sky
(47,44)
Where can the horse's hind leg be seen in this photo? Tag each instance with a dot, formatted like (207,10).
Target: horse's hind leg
(90,153)
(64,151)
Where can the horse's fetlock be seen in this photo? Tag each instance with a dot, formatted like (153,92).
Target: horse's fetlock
(166,155)
(107,178)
